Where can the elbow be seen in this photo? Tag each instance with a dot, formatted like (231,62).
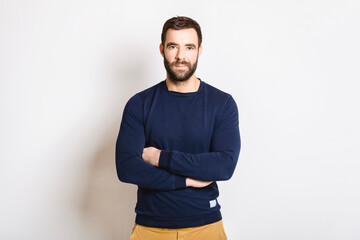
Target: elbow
(122,176)
(127,167)
(229,166)
(227,174)
(122,170)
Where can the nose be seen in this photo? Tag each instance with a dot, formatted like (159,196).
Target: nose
(180,53)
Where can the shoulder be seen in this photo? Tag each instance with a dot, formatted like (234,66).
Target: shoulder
(226,115)
(142,97)
(223,105)
(150,91)
(218,96)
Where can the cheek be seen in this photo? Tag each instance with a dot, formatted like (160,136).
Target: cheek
(194,58)
(168,58)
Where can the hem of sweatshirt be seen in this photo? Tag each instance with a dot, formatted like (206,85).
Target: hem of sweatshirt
(173,223)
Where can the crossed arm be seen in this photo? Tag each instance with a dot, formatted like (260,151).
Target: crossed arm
(151,155)
(168,170)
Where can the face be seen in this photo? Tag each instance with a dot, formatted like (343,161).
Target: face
(181,53)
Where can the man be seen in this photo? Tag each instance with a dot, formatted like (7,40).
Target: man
(176,140)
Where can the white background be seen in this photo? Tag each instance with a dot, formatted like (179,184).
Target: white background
(67,69)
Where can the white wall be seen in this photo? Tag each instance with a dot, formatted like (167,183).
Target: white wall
(67,69)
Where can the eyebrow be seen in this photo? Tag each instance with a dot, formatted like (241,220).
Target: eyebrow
(190,45)
(175,44)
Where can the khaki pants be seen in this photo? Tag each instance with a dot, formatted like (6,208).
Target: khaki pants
(214,231)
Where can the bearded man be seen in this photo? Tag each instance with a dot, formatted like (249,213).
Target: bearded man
(176,140)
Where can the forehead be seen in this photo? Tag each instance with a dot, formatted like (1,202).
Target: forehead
(185,36)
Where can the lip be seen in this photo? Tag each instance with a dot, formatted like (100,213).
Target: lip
(180,66)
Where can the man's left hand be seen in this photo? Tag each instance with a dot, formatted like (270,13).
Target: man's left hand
(151,155)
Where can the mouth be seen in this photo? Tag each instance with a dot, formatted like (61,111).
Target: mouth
(180,66)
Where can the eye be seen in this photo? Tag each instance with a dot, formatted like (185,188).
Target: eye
(190,48)
(172,46)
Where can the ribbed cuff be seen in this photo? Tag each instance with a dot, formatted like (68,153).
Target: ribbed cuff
(180,182)
(164,160)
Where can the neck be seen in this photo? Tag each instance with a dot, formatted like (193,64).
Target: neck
(190,85)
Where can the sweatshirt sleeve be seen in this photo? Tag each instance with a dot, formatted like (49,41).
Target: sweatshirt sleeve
(220,162)
(130,166)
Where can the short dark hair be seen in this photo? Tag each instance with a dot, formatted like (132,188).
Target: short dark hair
(179,23)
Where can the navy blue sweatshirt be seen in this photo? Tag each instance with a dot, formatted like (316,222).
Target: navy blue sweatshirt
(198,134)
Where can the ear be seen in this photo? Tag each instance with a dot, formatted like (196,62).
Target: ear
(200,50)
(161,47)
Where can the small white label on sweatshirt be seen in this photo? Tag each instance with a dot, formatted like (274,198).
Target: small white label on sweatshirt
(212,203)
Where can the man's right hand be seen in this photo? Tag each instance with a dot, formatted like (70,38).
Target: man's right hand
(196,183)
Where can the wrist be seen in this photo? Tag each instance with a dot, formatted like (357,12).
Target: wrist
(188,182)
(158,158)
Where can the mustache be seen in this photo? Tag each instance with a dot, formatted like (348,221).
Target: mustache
(180,63)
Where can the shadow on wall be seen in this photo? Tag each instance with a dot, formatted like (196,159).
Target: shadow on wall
(107,204)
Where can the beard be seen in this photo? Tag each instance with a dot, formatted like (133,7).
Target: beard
(179,75)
